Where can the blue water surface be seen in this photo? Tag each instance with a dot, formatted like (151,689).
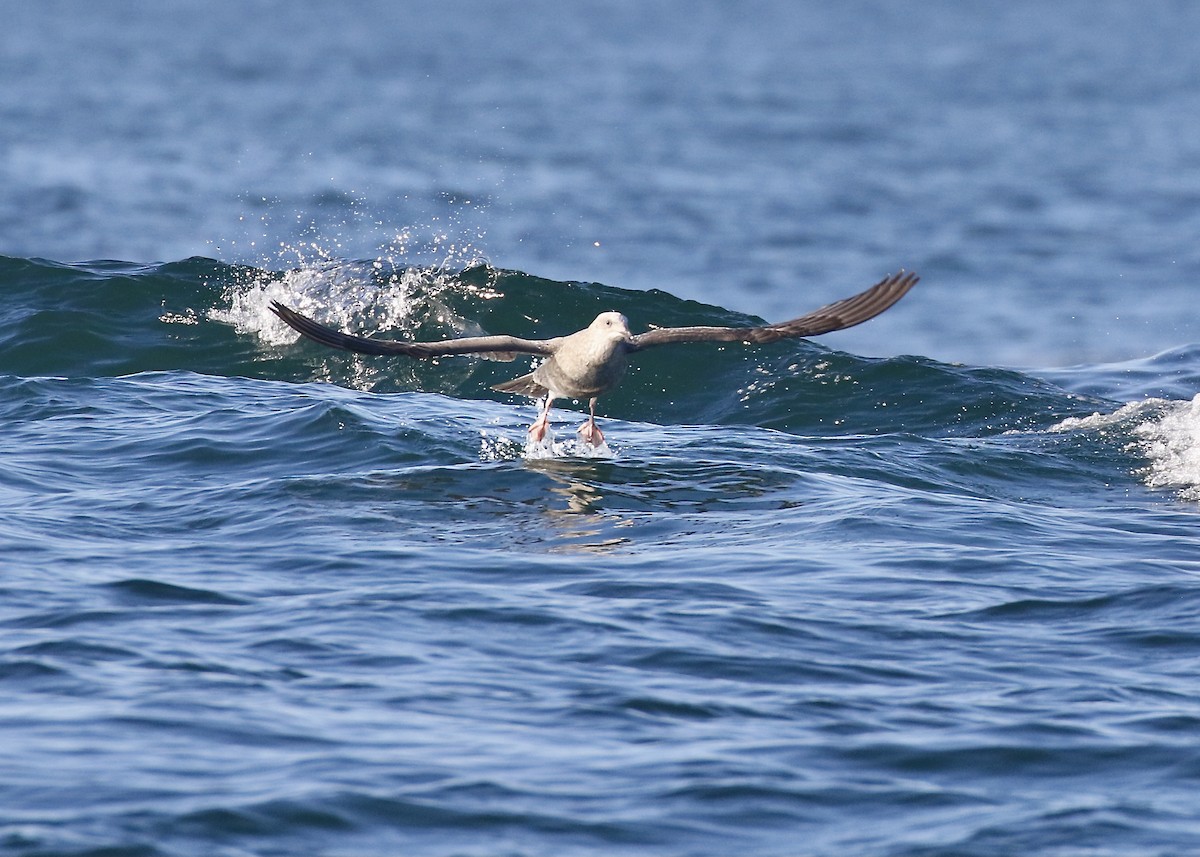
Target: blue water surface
(929,586)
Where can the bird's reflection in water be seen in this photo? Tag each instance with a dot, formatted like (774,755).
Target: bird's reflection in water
(576,516)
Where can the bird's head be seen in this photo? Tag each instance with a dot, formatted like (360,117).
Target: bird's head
(612,324)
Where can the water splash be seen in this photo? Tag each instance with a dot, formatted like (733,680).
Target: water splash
(448,232)
(548,448)
(387,292)
(336,292)
(366,297)
(500,448)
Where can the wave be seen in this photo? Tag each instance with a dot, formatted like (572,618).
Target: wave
(200,315)
(103,319)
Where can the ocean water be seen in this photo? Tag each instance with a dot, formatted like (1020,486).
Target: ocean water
(930,586)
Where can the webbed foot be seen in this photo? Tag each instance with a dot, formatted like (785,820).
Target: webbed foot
(590,434)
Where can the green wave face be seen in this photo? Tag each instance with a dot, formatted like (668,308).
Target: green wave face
(200,315)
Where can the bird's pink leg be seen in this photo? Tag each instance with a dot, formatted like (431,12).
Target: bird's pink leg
(541,425)
(589,432)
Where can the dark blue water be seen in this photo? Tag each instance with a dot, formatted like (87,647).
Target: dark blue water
(930,586)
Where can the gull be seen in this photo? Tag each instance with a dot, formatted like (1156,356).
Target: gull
(592,361)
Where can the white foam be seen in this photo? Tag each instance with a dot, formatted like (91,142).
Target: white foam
(548,448)
(1163,432)
(1098,420)
(1171,443)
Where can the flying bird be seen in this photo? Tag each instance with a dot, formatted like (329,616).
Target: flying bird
(591,361)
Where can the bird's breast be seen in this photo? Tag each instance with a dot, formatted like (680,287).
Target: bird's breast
(584,369)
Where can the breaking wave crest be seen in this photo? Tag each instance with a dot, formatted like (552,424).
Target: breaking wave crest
(1162,433)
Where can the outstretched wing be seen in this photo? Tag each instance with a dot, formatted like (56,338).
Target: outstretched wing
(503,346)
(836,316)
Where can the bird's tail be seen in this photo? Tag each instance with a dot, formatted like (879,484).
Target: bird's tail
(523,386)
